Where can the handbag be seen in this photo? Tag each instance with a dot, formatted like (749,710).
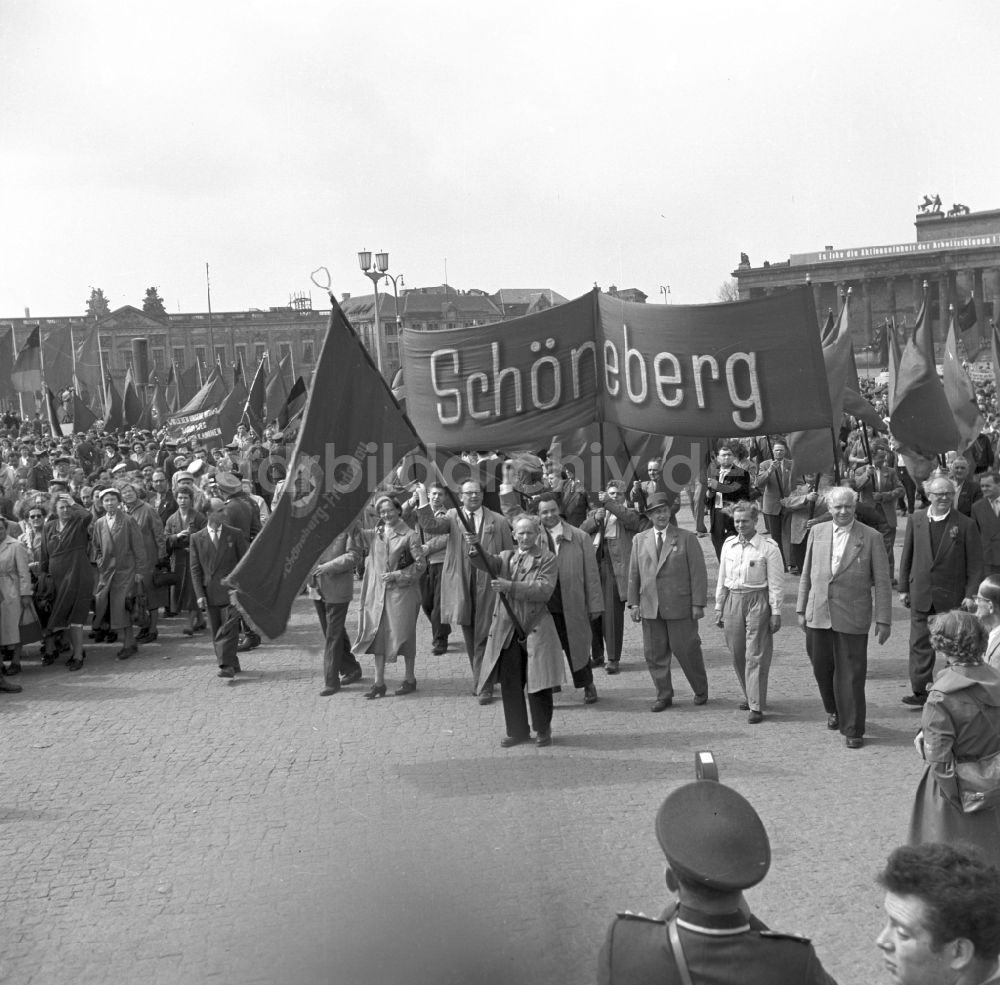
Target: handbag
(29,626)
(163,577)
(406,559)
(979,783)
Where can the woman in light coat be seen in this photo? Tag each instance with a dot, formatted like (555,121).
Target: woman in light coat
(961,723)
(526,577)
(390,595)
(15,596)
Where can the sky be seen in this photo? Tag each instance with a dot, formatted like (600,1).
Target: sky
(514,144)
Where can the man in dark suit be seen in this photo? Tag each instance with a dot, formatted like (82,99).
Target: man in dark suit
(986,516)
(215,551)
(845,561)
(727,484)
(941,565)
(162,499)
(967,490)
(879,488)
(667,593)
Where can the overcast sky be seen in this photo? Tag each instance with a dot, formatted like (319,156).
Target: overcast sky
(522,144)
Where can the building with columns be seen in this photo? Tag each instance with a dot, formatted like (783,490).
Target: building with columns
(957,256)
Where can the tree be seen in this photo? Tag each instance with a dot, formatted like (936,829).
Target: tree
(152,304)
(729,290)
(97,304)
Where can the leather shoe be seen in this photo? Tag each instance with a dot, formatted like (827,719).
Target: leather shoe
(755,717)
(513,740)
(226,672)
(352,677)
(701,699)
(662,704)
(127,651)
(915,700)
(589,694)
(543,739)
(854,742)
(832,722)
(9,687)
(327,691)
(407,687)
(249,642)
(437,649)
(744,706)
(486,697)
(612,667)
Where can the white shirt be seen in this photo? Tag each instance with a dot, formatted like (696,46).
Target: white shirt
(841,535)
(752,564)
(556,533)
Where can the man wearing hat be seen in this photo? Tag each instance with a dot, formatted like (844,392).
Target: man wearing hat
(241,514)
(716,847)
(667,592)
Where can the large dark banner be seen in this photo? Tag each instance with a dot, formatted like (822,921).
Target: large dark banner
(749,367)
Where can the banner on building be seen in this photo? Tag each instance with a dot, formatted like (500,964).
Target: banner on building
(749,367)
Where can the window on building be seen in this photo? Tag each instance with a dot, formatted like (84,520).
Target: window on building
(127,358)
(258,353)
(220,355)
(284,349)
(199,354)
(158,359)
(308,355)
(241,357)
(179,357)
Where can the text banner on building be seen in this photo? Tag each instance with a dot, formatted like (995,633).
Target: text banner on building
(750,367)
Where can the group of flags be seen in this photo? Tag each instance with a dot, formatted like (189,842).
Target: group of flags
(50,364)
(929,414)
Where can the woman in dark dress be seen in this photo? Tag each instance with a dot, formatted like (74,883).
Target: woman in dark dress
(178,529)
(961,723)
(65,557)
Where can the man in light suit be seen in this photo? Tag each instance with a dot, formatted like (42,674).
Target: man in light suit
(215,551)
(467,597)
(845,561)
(940,567)
(774,480)
(986,516)
(879,487)
(667,592)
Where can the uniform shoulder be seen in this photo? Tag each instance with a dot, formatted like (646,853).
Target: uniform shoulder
(628,915)
(779,935)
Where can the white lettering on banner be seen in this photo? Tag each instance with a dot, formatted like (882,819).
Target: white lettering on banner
(479,396)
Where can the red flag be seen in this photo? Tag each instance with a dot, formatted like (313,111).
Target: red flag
(57,358)
(895,355)
(960,393)
(87,370)
(340,426)
(296,401)
(52,413)
(921,418)
(132,407)
(855,404)
(113,418)
(159,408)
(83,417)
(278,388)
(812,451)
(27,373)
(967,319)
(253,413)
(211,394)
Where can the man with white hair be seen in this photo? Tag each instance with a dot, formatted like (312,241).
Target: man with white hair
(940,568)
(845,561)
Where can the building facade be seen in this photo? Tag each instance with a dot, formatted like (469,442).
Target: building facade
(955,256)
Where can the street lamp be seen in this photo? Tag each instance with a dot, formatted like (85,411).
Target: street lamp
(397,282)
(375,272)
(665,291)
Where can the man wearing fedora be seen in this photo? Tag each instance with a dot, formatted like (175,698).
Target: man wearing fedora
(667,592)
(241,513)
(716,846)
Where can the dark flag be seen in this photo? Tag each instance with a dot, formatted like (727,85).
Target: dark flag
(211,394)
(173,390)
(921,416)
(961,393)
(239,372)
(296,401)
(855,404)
(114,419)
(52,413)
(188,384)
(83,417)
(8,395)
(132,408)
(27,372)
(967,320)
(57,358)
(345,429)
(159,407)
(253,413)
(231,411)
(277,389)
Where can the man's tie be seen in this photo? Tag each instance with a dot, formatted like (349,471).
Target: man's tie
(659,543)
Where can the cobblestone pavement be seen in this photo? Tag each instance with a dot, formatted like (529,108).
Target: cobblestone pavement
(160,825)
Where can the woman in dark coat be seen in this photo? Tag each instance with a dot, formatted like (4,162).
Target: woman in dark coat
(178,529)
(961,723)
(65,557)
